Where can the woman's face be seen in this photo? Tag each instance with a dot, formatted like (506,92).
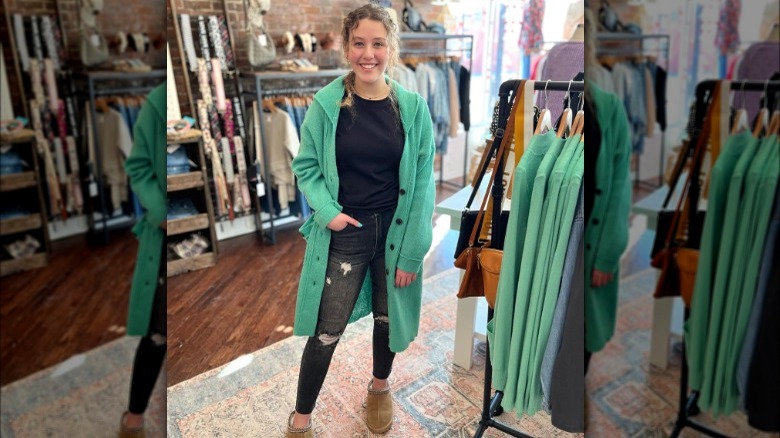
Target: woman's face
(368,51)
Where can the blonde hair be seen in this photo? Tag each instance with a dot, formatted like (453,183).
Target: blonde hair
(373,12)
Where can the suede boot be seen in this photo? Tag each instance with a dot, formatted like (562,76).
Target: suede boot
(126,432)
(379,410)
(303,432)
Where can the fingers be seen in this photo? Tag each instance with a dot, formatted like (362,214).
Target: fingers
(351,220)
(403,278)
(600,279)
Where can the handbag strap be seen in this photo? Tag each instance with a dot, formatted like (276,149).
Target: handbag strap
(506,138)
(701,145)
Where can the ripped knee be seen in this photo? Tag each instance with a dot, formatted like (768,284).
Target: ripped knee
(158,340)
(327,339)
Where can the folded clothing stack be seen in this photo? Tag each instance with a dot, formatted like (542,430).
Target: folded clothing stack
(193,246)
(22,248)
(180,208)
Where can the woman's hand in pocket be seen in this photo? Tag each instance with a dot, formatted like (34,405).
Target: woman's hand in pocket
(341,221)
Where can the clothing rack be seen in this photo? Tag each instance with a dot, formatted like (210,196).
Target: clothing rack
(492,406)
(660,48)
(688,403)
(468,44)
(95,79)
(259,93)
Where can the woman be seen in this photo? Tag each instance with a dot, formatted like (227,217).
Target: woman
(607,201)
(366,167)
(146,167)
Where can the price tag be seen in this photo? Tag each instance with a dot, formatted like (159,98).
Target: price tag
(260,190)
(93,189)
(262,40)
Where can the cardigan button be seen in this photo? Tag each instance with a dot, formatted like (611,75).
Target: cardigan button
(399,221)
(402,191)
(595,221)
(392,247)
(387,271)
(587,246)
(598,191)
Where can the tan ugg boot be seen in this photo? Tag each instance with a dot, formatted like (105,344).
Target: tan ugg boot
(126,432)
(379,410)
(294,432)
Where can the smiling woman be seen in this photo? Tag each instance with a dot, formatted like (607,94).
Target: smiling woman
(373,203)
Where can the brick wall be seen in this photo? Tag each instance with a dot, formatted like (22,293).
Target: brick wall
(314,16)
(117,16)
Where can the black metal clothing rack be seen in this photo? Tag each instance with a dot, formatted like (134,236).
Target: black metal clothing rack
(688,403)
(662,49)
(444,50)
(492,406)
(259,94)
(152,79)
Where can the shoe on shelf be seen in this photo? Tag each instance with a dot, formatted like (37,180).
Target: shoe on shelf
(298,432)
(127,432)
(379,409)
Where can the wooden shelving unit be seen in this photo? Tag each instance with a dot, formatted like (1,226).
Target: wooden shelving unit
(195,186)
(24,188)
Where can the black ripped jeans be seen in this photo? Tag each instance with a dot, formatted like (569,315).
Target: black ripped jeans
(150,355)
(353,252)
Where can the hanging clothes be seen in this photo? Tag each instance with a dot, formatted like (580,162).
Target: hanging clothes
(547,184)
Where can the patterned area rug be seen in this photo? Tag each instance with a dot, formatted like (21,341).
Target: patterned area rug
(628,396)
(82,397)
(253,395)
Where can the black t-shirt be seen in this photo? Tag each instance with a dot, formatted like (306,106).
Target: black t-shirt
(369,144)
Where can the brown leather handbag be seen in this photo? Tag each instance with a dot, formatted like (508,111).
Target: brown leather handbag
(679,256)
(482,261)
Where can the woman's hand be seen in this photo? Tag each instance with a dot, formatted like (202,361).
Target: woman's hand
(600,278)
(403,278)
(341,221)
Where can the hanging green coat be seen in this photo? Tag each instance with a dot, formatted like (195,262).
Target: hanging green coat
(146,167)
(411,233)
(606,232)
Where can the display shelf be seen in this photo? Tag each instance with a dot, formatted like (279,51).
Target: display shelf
(187,224)
(37,260)
(17,181)
(20,224)
(185,181)
(181,266)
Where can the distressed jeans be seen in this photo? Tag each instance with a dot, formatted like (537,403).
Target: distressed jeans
(353,253)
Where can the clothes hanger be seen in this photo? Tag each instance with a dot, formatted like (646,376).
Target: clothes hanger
(545,119)
(774,123)
(566,117)
(763,115)
(741,117)
(579,119)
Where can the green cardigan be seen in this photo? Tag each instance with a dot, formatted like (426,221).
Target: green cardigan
(606,232)
(146,167)
(411,233)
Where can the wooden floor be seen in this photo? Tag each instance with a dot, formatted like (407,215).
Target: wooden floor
(244,303)
(50,314)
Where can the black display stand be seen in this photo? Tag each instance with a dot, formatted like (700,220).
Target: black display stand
(491,407)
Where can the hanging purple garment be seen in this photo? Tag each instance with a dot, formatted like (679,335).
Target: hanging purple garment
(727,38)
(759,63)
(563,63)
(531,38)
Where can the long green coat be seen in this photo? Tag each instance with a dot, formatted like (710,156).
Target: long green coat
(146,167)
(606,232)
(410,234)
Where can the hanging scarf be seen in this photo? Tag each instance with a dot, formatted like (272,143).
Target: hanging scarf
(204,41)
(216,40)
(21,42)
(189,44)
(51,44)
